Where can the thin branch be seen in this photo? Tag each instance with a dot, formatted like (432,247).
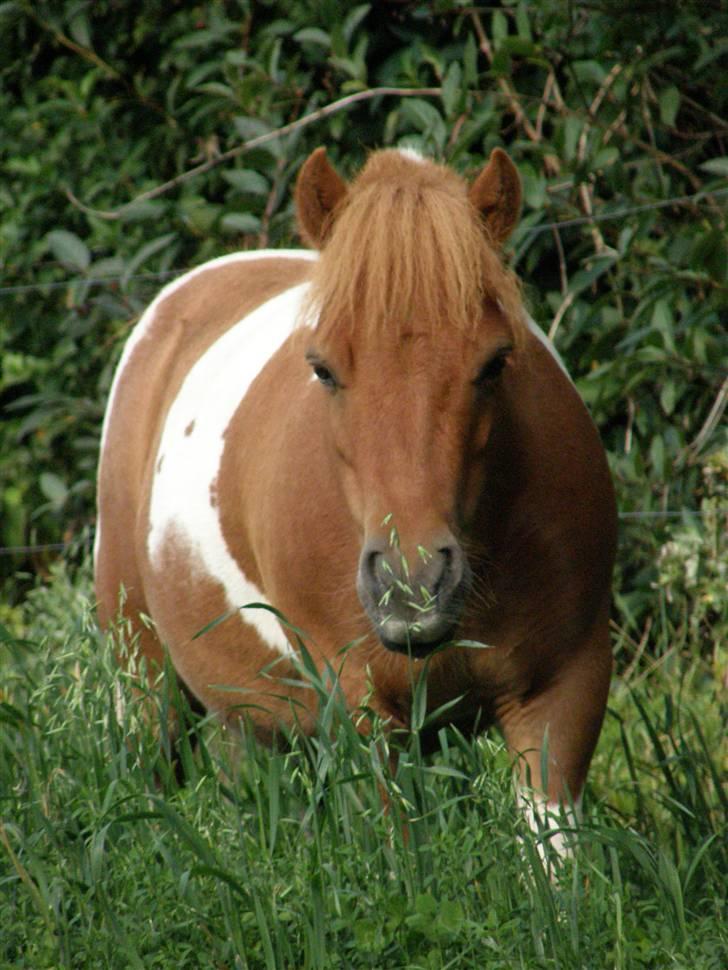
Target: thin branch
(631,411)
(585,192)
(271,203)
(565,304)
(309,119)
(511,97)
(563,276)
(551,86)
(640,649)
(712,421)
(84,52)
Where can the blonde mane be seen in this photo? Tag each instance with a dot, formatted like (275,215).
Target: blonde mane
(407,249)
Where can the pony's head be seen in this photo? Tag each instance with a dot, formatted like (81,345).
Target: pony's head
(418,323)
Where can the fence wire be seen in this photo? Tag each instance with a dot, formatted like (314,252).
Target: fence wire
(22,288)
(530,231)
(87,538)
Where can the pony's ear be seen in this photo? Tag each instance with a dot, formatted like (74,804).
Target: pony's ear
(496,194)
(319,189)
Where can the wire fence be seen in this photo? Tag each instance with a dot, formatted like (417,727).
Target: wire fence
(86,540)
(697,198)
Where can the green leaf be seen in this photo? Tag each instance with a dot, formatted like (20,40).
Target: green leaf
(215,88)
(572,130)
(141,211)
(534,188)
(247,180)
(426,905)
(452,89)
(451,915)
(54,489)
(668,396)
(663,320)
(657,456)
(145,253)
(353,19)
(589,71)
(501,65)
(426,119)
(240,222)
(523,24)
(79,30)
(710,253)
(313,35)
(68,249)
(198,214)
(498,27)
(669,101)
(368,936)
(248,127)
(716,166)
(519,47)
(605,157)
(585,277)
(470,62)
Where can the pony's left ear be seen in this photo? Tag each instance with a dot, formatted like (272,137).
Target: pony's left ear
(319,189)
(496,194)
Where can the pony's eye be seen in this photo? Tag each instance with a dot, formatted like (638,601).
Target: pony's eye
(324,375)
(321,371)
(493,368)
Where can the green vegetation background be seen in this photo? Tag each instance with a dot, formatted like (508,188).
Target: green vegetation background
(605,107)
(616,114)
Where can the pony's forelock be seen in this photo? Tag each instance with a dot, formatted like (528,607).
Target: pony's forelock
(408,250)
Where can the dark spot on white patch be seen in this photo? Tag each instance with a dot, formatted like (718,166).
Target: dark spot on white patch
(159,463)
(213,494)
(189,429)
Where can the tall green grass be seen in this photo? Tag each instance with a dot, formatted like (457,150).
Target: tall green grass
(293,858)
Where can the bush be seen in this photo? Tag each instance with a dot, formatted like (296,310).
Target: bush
(611,112)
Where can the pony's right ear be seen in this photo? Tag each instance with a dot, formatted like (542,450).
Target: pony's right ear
(496,194)
(319,190)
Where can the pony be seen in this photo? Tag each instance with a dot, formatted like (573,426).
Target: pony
(372,436)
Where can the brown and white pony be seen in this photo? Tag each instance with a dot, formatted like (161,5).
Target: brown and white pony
(376,440)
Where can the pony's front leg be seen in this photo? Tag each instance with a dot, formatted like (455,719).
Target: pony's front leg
(553,733)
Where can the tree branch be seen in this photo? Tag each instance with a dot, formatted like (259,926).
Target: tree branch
(309,119)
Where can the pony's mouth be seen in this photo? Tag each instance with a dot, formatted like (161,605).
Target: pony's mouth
(417,640)
(417,649)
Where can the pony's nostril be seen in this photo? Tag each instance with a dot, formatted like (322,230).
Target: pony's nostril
(373,571)
(452,569)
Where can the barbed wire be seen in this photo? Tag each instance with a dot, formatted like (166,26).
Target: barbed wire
(86,539)
(693,199)
(91,280)
(34,550)
(22,288)
(630,211)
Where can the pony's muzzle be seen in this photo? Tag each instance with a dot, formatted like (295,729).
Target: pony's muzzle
(414,606)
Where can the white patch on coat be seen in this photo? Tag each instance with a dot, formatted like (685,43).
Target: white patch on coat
(546,817)
(144,326)
(181,501)
(412,154)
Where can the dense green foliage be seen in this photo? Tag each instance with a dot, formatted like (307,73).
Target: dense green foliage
(611,110)
(605,109)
